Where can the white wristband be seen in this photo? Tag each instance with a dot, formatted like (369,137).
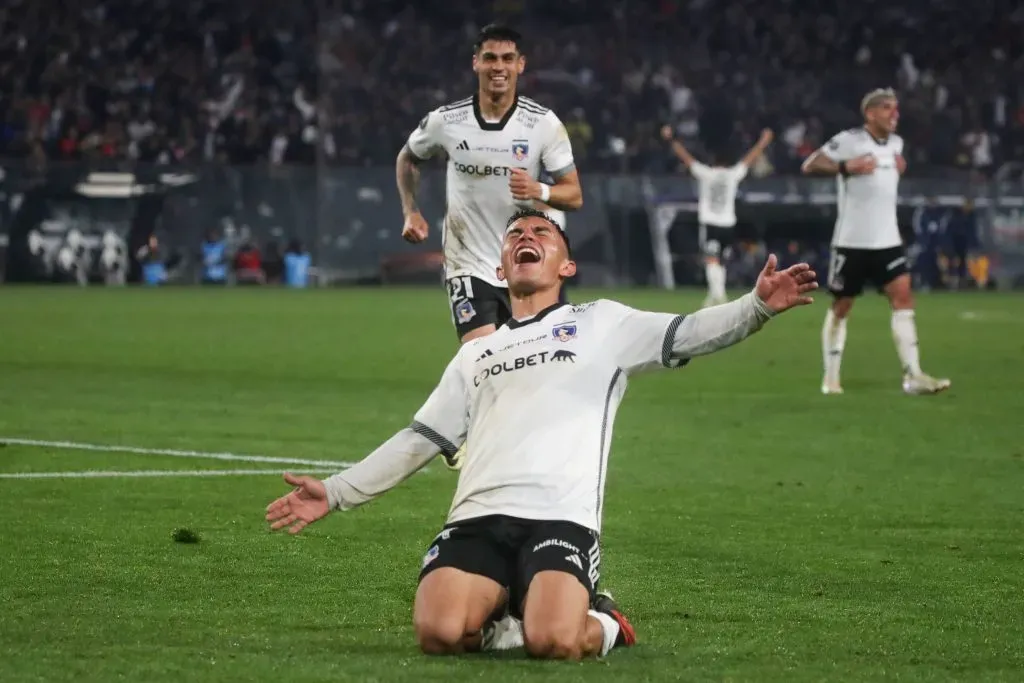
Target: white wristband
(545,192)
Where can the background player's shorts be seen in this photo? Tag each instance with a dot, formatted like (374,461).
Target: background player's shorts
(512,551)
(850,269)
(476,303)
(716,242)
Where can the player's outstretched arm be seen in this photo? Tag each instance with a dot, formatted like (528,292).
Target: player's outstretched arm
(759,147)
(646,340)
(678,148)
(718,327)
(394,461)
(388,466)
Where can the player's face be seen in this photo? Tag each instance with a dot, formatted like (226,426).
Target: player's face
(498,65)
(534,257)
(885,115)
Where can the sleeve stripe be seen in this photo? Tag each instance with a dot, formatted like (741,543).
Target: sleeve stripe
(666,346)
(562,172)
(532,107)
(446,446)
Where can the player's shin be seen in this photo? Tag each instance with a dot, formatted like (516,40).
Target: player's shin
(833,341)
(904,334)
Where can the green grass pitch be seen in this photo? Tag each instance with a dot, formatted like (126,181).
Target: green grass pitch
(754,530)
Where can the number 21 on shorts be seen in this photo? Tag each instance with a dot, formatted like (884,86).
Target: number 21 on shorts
(460,288)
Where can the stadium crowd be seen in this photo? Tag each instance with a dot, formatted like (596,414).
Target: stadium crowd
(343,82)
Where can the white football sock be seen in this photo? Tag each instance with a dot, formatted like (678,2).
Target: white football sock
(904,333)
(609,630)
(833,341)
(715,275)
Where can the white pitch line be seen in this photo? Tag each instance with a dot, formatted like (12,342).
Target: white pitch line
(205,455)
(100,474)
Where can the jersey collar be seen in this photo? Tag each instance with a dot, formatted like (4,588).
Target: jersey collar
(516,324)
(498,125)
(882,142)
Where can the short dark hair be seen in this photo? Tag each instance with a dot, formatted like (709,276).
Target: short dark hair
(500,33)
(537,213)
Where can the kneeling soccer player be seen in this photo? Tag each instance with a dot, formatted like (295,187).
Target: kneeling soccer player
(536,400)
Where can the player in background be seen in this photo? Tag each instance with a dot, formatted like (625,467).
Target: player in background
(866,243)
(539,398)
(498,144)
(716,208)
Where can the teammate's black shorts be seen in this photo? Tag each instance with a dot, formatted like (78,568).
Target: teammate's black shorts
(849,270)
(512,551)
(716,242)
(476,303)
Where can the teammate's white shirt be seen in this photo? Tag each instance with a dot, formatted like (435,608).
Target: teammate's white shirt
(535,402)
(480,156)
(866,204)
(716,203)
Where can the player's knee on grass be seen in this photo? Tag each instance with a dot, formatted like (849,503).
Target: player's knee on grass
(452,607)
(441,634)
(555,617)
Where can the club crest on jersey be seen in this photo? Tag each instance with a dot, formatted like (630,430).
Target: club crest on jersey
(464,311)
(520,149)
(564,332)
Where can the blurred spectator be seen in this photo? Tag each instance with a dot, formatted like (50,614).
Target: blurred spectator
(296,265)
(344,81)
(930,222)
(215,260)
(273,264)
(248,265)
(961,243)
(150,255)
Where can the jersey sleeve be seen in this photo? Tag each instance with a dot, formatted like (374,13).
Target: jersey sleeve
(842,147)
(556,155)
(739,172)
(439,426)
(444,418)
(426,139)
(640,340)
(700,171)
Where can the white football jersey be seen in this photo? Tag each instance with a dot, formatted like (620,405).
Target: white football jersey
(866,204)
(716,203)
(562,374)
(535,402)
(480,154)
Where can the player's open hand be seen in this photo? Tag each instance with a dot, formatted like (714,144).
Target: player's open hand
(523,187)
(781,290)
(415,229)
(667,133)
(862,165)
(300,508)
